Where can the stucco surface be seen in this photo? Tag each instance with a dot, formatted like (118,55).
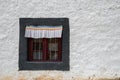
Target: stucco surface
(94,37)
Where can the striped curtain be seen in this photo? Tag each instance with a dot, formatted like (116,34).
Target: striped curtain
(43,31)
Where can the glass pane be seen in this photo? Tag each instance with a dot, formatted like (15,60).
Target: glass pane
(53,49)
(37,44)
(53,55)
(37,55)
(37,49)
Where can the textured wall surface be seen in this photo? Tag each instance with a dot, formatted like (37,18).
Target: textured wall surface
(94,37)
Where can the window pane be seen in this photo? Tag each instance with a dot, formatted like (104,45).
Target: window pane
(37,44)
(37,55)
(37,49)
(53,49)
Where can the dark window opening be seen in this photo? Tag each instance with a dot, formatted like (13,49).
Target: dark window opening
(45,49)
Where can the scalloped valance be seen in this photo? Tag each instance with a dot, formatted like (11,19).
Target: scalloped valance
(43,31)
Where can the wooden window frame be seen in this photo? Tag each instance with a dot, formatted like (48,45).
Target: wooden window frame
(24,64)
(45,50)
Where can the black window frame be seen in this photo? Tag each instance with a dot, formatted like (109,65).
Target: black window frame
(24,64)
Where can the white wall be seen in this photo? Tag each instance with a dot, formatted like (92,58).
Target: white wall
(94,35)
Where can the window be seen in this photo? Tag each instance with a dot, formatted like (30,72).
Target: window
(44,53)
(45,49)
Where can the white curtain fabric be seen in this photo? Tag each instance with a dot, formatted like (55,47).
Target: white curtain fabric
(43,31)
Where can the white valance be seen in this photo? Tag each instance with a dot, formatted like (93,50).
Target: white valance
(43,31)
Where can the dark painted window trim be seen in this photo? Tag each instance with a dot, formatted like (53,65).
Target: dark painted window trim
(27,65)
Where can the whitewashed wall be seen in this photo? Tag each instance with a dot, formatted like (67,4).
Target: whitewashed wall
(94,36)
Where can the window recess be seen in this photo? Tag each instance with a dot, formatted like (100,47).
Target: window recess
(44,43)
